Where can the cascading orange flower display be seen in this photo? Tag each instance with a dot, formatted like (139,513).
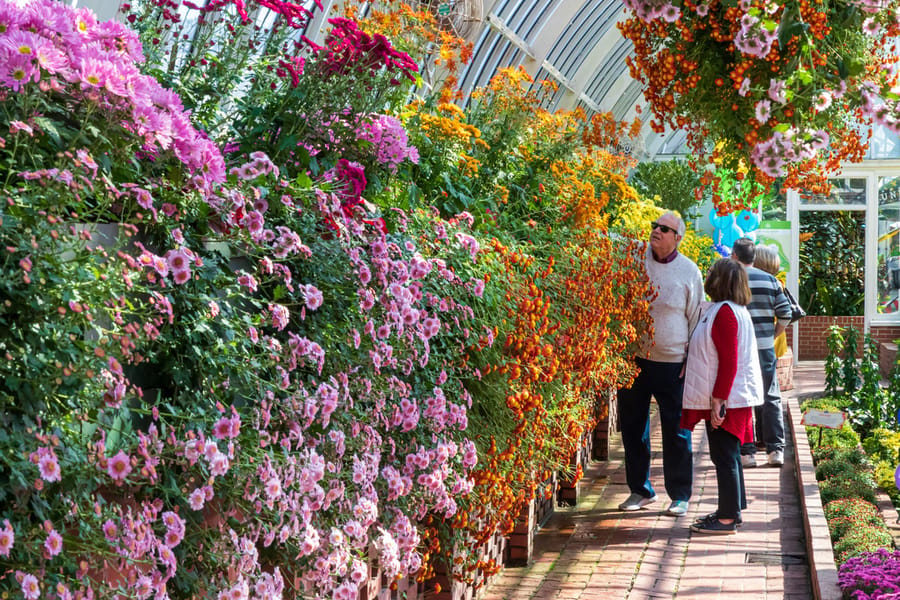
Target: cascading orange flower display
(786,88)
(565,300)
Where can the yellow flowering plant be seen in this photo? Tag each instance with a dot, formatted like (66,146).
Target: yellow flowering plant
(634,221)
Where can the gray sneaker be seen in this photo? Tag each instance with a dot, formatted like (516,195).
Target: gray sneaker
(748,461)
(678,508)
(776,458)
(636,502)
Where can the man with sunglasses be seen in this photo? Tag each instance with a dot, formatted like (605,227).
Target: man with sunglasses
(675,311)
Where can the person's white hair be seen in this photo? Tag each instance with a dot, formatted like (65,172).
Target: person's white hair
(681,227)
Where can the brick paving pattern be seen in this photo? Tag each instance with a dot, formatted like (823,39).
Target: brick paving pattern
(593,551)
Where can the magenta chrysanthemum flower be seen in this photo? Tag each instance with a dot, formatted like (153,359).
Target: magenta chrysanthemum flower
(110,531)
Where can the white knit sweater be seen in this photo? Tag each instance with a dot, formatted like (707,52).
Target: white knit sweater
(676,308)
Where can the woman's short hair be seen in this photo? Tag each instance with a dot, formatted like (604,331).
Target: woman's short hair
(727,280)
(767,260)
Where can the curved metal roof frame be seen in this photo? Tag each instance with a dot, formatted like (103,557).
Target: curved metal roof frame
(574,43)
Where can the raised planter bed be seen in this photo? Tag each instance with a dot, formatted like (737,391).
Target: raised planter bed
(520,543)
(606,425)
(822,568)
(567,490)
(452,589)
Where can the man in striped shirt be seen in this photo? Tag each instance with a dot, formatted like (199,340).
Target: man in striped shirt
(771,313)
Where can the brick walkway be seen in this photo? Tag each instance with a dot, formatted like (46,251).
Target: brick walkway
(593,551)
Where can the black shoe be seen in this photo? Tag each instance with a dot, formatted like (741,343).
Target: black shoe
(714,527)
(714,516)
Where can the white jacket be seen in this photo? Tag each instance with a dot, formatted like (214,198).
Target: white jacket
(703,362)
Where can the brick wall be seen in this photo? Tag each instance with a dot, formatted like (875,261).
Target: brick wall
(813,333)
(884,334)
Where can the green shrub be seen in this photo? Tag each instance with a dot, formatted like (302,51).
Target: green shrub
(883,447)
(884,477)
(862,539)
(827,469)
(849,507)
(883,444)
(852,456)
(825,403)
(860,485)
(842,526)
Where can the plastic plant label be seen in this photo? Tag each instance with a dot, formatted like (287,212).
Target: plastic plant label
(823,418)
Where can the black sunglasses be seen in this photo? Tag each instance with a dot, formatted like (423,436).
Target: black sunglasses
(663,228)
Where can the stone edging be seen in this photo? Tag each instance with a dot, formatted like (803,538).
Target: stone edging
(822,568)
(890,514)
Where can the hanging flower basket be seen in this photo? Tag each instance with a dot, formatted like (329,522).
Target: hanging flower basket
(783,89)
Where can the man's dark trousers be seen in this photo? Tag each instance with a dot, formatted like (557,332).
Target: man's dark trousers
(663,381)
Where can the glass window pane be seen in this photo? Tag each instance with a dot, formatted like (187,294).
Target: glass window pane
(888,244)
(832,262)
(843,191)
(884,144)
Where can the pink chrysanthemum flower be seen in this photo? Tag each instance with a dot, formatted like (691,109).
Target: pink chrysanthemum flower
(763,111)
(53,543)
(197,499)
(823,101)
(119,466)
(49,468)
(7,538)
(280,316)
(31,587)
(223,429)
(181,276)
(312,297)
(110,531)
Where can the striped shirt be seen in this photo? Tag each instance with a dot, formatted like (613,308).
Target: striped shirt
(769,303)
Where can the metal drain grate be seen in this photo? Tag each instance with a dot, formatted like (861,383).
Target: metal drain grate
(774,558)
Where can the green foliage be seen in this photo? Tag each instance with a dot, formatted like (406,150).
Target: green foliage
(848,482)
(869,405)
(841,526)
(498,158)
(674,181)
(849,367)
(851,455)
(840,467)
(893,394)
(884,477)
(871,402)
(883,445)
(832,263)
(852,508)
(860,484)
(863,538)
(835,342)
